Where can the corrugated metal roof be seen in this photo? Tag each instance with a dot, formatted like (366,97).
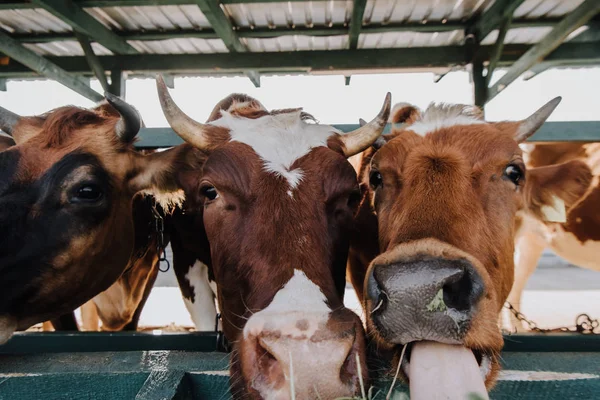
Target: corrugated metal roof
(285,15)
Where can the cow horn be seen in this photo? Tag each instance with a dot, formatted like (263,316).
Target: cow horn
(189,130)
(8,120)
(363,137)
(529,126)
(130,123)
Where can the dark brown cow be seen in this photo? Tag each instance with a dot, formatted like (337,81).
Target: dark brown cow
(276,198)
(441,197)
(66,214)
(574,236)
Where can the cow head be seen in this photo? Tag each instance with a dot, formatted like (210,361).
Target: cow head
(278,198)
(446,189)
(66,190)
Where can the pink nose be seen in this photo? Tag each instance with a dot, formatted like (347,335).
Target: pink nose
(312,356)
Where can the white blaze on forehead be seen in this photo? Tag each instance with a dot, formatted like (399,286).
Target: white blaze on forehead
(298,299)
(278,139)
(440,116)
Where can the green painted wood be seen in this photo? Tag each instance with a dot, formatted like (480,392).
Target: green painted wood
(57,342)
(582,14)
(191,375)
(83,22)
(493,17)
(265,32)
(306,61)
(165,384)
(356,22)
(92,60)
(46,68)
(576,131)
(497,50)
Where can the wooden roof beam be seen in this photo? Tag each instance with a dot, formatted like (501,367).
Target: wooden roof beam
(44,67)
(582,14)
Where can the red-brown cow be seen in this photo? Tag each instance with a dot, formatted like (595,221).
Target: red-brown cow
(276,198)
(66,214)
(574,236)
(441,197)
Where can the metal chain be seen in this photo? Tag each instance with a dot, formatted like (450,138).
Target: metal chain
(161,245)
(584,324)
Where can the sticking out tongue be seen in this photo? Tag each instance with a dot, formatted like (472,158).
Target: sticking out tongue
(443,371)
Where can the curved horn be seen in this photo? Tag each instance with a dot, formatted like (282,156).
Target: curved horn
(363,137)
(8,120)
(189,130)
(130,123)
(529,126)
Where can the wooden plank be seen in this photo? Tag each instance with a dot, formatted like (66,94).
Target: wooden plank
(356,21)
(497,50)
(309,61)
(83,22)
(586,10)
(92,60)
(493,17)
(46,68)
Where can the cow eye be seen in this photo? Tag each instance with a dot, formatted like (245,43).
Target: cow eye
(375,179)
(88,193)
(209,192)
(514,173)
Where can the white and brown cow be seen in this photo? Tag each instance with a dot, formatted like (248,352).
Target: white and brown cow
(67,214)
(574,236)
(440,206)
(275,196)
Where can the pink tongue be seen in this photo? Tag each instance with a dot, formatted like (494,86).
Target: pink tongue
(443,371)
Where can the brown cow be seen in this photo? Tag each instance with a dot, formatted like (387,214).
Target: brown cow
(574,236)
(66,214)
(441,198)
(276,198)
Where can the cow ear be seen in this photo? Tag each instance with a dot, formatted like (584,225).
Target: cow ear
(552,190)
(6,142)
(159,173)
(404,113)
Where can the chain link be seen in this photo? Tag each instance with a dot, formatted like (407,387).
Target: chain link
(584,324)
(161,245)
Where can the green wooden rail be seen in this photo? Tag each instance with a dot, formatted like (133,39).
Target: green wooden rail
(575,131)
(183,366)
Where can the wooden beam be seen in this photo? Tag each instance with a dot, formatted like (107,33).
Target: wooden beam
(92,60)
(479,83)
(41,65)
(497,50)
(117,83)
(358,12)
(377,60)
(83,22)
(493,17)
(265,32)
(224,29)
(586,11)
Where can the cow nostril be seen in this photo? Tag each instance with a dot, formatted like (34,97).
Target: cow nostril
(457,291)
(381,303)
(268,365)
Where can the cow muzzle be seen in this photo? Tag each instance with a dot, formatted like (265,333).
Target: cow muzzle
(429,303)
(311,355)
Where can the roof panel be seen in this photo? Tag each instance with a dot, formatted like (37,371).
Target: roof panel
(319,13)
(31,20)
(519,35)
(65,48)
(179,46)
(532,9)
(410,39)
(298,43)
(150,17)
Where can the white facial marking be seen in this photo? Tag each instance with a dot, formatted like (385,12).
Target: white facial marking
(202,310)
(422,128)
(298,299)
(555,212)
(278,139)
